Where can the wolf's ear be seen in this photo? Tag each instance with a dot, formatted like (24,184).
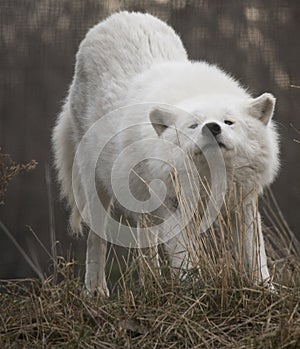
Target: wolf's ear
(161,118)
(262,107)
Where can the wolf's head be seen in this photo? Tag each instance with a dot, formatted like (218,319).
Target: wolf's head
(241,128)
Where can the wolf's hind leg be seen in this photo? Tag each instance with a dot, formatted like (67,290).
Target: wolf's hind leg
(95,279)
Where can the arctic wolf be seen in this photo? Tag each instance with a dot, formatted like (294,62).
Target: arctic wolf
(152,110)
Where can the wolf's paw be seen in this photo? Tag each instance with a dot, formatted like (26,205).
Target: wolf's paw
(75,226)
(75,234)
(93,292)
(270,287)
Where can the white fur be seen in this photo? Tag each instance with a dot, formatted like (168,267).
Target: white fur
(136,58)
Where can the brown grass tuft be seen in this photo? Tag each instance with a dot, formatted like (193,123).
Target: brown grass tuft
(214,306)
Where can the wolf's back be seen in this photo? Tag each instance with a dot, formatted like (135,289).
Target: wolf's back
(115,51)
(111,55)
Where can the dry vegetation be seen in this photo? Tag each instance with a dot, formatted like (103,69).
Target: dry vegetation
(216,306)
(9,169)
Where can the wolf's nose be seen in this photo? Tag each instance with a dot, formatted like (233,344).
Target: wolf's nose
(212,127)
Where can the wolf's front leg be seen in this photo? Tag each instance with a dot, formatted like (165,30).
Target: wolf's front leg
(179,247)
(95,280)
(148,259)
(253,244)
(178,254)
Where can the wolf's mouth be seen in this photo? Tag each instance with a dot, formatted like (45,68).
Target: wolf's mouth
(212,145)
(215,145)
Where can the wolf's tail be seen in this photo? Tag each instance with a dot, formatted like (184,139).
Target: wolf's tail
(64,153)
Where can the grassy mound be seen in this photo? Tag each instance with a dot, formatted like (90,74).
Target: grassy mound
(213,306)
(162,313)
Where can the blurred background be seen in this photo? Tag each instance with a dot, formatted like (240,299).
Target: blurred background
(256,41)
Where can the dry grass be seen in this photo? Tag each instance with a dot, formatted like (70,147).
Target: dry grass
(9,169)
(216,306)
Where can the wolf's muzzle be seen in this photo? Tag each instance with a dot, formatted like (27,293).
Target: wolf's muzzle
(211,128)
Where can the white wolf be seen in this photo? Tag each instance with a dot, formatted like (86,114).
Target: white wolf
(134,59)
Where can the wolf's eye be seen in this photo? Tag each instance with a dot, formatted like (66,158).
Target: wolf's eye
(193,126)
(228,122)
